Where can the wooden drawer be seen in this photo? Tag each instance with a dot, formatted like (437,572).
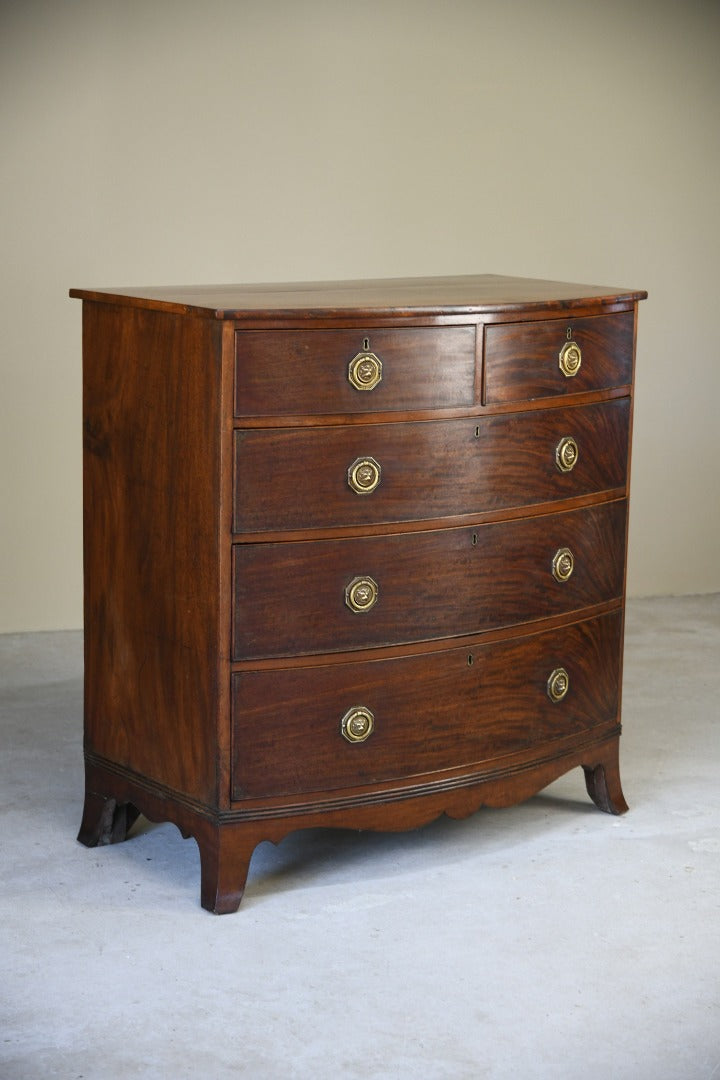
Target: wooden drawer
(298,372)
(302,478)
(522,360)
(432,712)
(293,598)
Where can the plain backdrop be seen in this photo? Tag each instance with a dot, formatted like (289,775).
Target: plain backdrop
(168,142)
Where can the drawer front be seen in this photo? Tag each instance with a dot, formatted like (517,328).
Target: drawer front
(298,372)
(329,596)
(428,713)
(536,360)
(317,478)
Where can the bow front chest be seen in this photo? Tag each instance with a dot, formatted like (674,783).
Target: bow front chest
(354,554)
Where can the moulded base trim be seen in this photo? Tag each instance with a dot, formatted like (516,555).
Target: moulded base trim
(227,838)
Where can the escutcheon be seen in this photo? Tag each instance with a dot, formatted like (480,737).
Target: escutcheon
(357,724)
(365,371)
(364,475)
(558,684)
(361,594)
(570,358)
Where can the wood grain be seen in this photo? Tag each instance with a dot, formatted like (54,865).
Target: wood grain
(306,371)
(290,598)
(522,359)
(151,490)
(429,470)
(396,297)
(434,712)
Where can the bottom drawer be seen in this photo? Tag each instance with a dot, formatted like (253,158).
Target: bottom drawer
(427,712)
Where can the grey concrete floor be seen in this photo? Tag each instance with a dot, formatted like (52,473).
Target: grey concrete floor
(546,940)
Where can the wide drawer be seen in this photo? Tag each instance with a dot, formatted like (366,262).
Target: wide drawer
(441,710)
(298,372)
(318,478)
(529,360)
(329,596)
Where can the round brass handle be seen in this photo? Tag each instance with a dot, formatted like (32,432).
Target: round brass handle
(364,475)
(570,358)
(563,564)
(357,724)
(566,454)
(361,594)
(558,684)
(365,371)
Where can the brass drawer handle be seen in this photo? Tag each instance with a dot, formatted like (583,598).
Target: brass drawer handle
(563,564)
(365,371)
(558,684)
(361,594)
(357,724)
(364,475)
(566,454)
(570,358)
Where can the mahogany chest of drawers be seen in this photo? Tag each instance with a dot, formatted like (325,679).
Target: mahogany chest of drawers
(354,554)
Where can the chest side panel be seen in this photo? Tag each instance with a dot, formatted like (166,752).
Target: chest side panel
(151,390)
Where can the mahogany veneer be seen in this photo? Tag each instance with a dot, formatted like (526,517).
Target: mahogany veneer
(354,554)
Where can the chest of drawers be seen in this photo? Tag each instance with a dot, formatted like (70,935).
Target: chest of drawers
(354,554)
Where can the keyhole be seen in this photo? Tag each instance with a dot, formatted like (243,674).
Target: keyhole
(474,539)
(569,333)
(366,344)
(470,660)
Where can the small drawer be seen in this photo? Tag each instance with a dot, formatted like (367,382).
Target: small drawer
(335,595)
(313,372)
(320,478)
(530,360)
(345,725)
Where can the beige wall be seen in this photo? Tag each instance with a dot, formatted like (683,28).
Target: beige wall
(151,141)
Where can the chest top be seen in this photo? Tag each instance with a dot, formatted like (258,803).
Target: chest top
(427,296)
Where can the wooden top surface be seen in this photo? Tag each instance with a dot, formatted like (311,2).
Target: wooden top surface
(470,294)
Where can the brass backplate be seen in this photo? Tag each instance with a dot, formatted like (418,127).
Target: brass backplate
(357,724)
(563,564)
(365,371)
(364,475)
(570,358)
(558,684)
(361,594)
(566,454)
